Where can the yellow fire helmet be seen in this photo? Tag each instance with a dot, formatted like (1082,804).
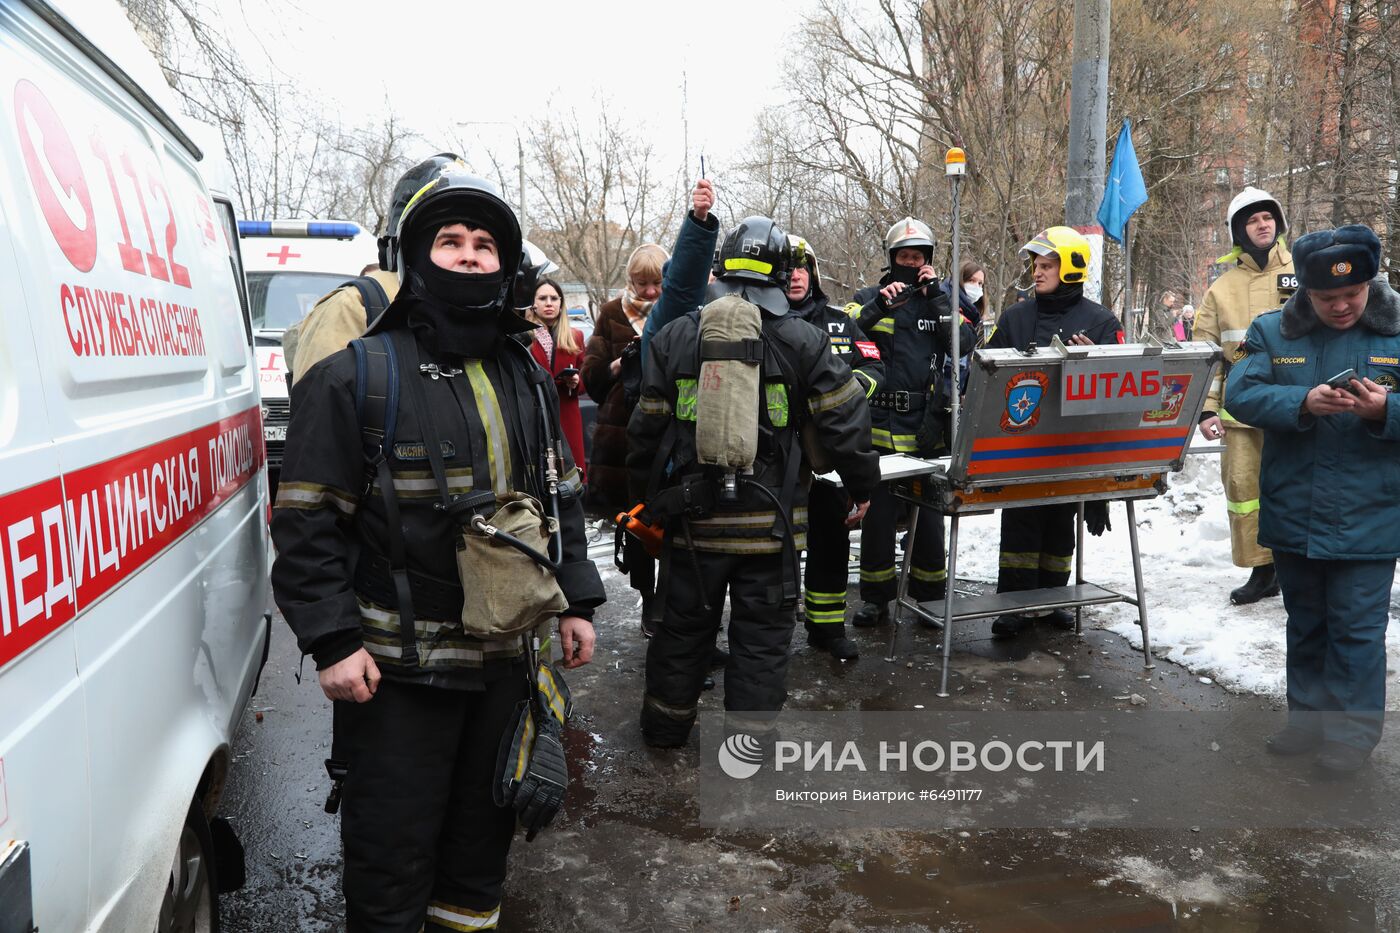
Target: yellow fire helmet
(1072,249)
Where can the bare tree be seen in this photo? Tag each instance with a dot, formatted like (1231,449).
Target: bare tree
(289,159)
(596,195)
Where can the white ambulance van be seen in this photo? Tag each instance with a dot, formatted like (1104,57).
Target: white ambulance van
(291,265)
(133,496)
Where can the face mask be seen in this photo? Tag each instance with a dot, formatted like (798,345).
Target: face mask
(905,274)
(973,292)
(641,307)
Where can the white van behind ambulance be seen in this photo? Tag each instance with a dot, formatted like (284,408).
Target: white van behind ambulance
(291,265)
(133,501)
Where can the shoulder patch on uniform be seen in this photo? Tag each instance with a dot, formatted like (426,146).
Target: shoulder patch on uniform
(867,349)
(1388,380)
(1241,351)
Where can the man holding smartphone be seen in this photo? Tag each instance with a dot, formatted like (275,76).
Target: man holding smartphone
(1330,486)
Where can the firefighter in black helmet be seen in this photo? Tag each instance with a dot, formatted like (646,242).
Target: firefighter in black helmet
(730,530)
(828,544)
(910,320)
(370,582)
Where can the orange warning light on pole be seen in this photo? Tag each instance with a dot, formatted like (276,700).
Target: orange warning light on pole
(955,162)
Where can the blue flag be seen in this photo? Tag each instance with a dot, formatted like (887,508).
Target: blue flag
(1125,191)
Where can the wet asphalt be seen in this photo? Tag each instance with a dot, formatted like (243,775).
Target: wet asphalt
(630,854)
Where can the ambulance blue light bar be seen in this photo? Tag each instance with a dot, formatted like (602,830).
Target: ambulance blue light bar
(335,229)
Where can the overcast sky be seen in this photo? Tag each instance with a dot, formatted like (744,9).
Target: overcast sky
(515,62)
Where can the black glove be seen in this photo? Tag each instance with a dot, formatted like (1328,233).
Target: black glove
(532,775)
(1096,517)
(540,796)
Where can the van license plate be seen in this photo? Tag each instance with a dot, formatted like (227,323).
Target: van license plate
(274,432)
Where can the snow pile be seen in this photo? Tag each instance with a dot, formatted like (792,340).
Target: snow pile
(1185,540)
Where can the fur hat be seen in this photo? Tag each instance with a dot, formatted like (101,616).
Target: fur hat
(1337,258)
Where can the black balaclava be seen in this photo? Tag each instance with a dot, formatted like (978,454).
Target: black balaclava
(456,313)
(1061,299)
(1241,236)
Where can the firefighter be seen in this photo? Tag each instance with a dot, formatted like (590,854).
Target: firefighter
(423,697)
(828,545)
(737,529)
(1037,542)
(1259,279)
(909,318)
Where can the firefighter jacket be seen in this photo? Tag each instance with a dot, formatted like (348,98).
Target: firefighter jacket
(332,577)
(848,341)
(805,388)
(1329,486)
(1038,321)
(914,341)
(1242,293)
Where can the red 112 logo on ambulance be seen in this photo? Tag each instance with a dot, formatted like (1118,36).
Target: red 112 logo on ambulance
(56,173)
(57,176)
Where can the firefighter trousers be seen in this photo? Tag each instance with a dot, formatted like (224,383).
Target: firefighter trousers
(828,562)
(1239,471)
(678,654)
(879,582)
(1037,547)
(425,843)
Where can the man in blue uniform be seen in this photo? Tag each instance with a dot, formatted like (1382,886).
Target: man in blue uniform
(1319,377)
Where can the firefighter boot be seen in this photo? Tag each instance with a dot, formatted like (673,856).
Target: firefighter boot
(872,614)
(1010,625)
(835,642)
(1262,583)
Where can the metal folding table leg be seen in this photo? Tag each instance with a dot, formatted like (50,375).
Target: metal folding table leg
(1079,566)
(1147,661)
(948,603)
(903,588)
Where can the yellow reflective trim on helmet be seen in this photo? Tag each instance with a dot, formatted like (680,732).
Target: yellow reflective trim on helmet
(414,200)
(748,265)
(852,309)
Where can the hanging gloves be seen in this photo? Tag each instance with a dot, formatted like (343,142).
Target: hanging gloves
(532,774)
(1096,517)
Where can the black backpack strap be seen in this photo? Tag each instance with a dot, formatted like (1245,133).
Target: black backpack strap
(377,407)
(792,464)
(372,294)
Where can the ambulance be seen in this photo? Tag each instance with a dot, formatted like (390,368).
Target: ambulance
(291,265)
(134,550)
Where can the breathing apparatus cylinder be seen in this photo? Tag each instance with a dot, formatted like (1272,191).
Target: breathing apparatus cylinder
(727,391)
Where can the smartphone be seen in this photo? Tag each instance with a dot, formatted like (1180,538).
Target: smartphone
(1343,380)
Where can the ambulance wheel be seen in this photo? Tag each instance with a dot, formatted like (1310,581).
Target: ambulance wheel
(191,903)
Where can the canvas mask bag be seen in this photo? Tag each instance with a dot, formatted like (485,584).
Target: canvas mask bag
(503,540)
